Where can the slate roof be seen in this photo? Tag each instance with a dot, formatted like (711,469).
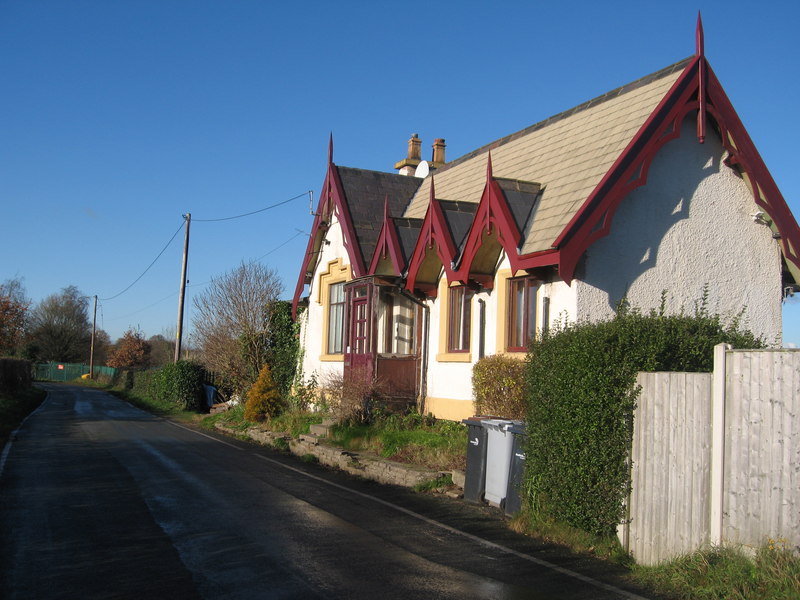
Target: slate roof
(407,233)
(459,217)
(568,154)
(365,193)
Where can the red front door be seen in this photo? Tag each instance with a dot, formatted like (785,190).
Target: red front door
(359,359)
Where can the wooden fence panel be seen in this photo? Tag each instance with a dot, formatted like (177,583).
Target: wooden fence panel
(668,506)
(762,447)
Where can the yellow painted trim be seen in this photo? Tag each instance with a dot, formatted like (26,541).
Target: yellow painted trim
(336,272)
(444,321)
(501,330)
(449,408)
(464,357)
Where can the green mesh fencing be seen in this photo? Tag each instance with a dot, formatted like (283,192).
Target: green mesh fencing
(56,371)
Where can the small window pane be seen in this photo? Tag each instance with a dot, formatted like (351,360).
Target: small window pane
(460,301)
(336,318)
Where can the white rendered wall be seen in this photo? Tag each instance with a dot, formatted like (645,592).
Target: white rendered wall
(689,226)
(311,328)
(449,383)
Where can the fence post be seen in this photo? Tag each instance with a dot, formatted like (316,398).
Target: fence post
(717,443)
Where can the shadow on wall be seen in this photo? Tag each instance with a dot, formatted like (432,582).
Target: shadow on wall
(641,233)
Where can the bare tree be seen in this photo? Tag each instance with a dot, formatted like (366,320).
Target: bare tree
(59,327)
(162,348)
(231,322)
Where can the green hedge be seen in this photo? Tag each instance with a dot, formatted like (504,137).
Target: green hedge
(15,374)
(581,395)
(181,384)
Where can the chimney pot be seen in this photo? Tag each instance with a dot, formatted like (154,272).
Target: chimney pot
(415,147)
(408,165)
(438,152)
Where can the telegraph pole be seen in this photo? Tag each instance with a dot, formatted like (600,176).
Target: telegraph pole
(179,330)
(91,350)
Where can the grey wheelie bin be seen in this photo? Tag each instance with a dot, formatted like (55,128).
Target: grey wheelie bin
(517,469)
(498,459)
(475,476)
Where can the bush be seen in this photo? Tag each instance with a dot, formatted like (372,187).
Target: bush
(15,374)
(581,395)
(180,383)
(284,345)
(264,398)
(498,383)
(353,399)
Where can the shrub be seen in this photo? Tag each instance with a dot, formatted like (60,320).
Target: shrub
(180,383)
(498,383)
(15,374)
(283,345)
(355,398)
(581,395)
(264,398)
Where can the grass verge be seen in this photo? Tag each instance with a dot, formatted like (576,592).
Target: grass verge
(15,406)
(726,573)
(414,439)
(577,540)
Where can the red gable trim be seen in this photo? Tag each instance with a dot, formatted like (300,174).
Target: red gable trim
(629,171)
(744,156)
(695,87)
(434,232)
(332,196)
(493,215)
(388,245)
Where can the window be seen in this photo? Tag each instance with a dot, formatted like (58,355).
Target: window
(336,318)
(458,326)
(397,324)
(521,312)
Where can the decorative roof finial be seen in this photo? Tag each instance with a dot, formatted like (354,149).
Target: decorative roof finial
(330,149)
(699,38)
(489,167)
(702,78)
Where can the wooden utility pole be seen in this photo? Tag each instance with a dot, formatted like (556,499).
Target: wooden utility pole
(91,350)
(179,330)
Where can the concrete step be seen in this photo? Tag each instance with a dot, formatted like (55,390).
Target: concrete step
(322,429)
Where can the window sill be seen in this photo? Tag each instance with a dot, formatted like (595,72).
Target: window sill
(462,357)
(331,357)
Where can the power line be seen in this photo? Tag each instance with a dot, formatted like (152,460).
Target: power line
(202,283)
(148,268)
(253,212)
(276,248)
(136,312)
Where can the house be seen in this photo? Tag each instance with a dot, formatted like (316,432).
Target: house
(411,277)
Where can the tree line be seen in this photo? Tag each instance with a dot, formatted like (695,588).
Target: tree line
(59,328)
(239,326)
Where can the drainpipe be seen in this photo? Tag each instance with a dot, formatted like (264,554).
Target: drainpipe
(481,328)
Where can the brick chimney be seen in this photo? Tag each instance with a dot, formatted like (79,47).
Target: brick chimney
(408,165)
(438,153)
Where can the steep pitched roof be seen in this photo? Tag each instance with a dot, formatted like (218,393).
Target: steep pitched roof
(584,161)
(568,154)
(365,193)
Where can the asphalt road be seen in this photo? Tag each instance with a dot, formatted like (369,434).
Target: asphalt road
(101,500)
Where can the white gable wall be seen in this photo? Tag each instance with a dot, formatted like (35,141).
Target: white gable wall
(312,326)
(688,227)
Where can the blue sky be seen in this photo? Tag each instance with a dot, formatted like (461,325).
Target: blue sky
(118,117)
